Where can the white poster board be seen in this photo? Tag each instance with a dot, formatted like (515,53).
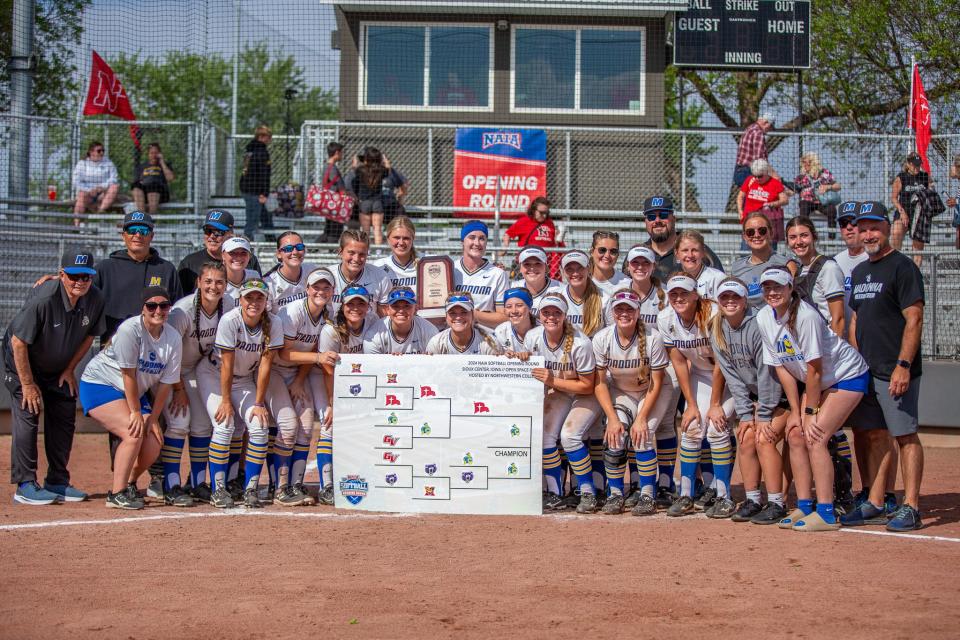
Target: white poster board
(437,434)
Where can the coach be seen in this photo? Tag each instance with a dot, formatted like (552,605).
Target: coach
(217,227)
(662,229)
(887,299)
(41,349)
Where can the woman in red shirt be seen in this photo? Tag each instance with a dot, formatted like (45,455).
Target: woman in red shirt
(762,192)
(537,228)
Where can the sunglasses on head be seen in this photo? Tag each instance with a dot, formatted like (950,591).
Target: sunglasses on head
(290,248)
(626,295)
(458,298)
(758,231)
(153,306)
(78,277)
(662,215)
(849,221)
(216,233)
(604,250)
(137,229)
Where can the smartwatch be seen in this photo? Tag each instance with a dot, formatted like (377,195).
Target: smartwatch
(903,363)
(811,411)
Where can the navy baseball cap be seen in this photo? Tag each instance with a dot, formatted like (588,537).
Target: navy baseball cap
(77,261)
(872,210)
(135,218)
(219,219)
(848,209)
(657,203)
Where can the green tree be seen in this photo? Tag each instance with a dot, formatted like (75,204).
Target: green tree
(697,151)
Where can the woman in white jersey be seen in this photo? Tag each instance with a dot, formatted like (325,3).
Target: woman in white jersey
(195,319)
(463,334)
(236,254)
(684,328)
(402,331)
(569,407)
(354,271)
(798,342)
(517,304)
(474,274)
(584,299)
(143,355)
(690,251)
(401,265)
(633,355)
(247,339)
(827,287)
(287,280)
(605,261)
(533,268)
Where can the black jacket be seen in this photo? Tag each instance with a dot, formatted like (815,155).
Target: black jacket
(122,281)
(255,179)
(189,269)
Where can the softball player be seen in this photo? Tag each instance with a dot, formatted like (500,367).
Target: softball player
(236,254)
(401,265)
(635,358)
(402,331)
(143,355)
(569,407)
(827,291)
(195,319)
(690,252)
(584,300)
(463,334)
(287,280)
(684,327)
(247,338)
(533,268)
(474,274)
(354,271)
(518,305)
(604,254)
(798,342)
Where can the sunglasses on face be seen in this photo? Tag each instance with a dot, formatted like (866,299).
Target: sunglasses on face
(604,251)
(759,231)
(137,230)
(662,215)
(843,223)
(543,212)
(96,151)
(216,233)
(153,306)
(290,248)
(78,277)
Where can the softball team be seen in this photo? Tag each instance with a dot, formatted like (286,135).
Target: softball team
(536,278)
(477,276)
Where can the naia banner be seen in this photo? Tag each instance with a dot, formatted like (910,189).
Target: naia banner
(511,162)
(437,434)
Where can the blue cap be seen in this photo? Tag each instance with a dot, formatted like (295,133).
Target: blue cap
(399,295)
(520,293)
(354,292)
(848,209)
(872,210)
(77,262)
(474,225)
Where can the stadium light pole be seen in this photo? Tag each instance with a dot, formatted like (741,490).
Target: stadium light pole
(22,65)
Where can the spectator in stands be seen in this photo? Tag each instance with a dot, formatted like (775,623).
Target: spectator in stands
(757,232)
(662,229)
(95,182)
(814,185)
(537,228)
(753,146)
(953,200)
(334,180)
(909,183)
(217,228)
(395,188)
(369,174)
(763,192)
(151,186)
(255,181)
(41,349)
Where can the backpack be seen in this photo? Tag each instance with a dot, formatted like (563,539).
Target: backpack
(804,284)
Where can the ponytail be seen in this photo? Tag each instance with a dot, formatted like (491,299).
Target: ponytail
(661,294)
(567,341)
(488,339)
(643,372)
(592,308)
(716,332)
(792,311)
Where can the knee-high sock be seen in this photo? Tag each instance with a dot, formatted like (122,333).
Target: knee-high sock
(170,457)
(281,459)
(219,461)
(552,473)
(689,458)
(596,463)
(271,462)
(843,445)
(256,453)
(199,446)
(632,467)
(582,468)
(647,469)
(236,453)
(666,460)
(706,464)
(722,457)
(564,469)
(325,459)
(616,468)
(298,462)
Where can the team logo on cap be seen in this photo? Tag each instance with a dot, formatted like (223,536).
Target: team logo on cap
(136,216)
(656,202)
(81,259)
(215,215)
(850,207)
(508,138)
(866,207)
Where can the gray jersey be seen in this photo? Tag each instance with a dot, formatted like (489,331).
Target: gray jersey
(747,375)
(552,286)
(380,337)
(156,360)
(750,273)
(246,343)
(197,340)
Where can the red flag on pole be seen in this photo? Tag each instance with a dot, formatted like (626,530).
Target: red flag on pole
(920,117)
(107,96)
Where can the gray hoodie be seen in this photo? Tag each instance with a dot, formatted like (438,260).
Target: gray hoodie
(743,369)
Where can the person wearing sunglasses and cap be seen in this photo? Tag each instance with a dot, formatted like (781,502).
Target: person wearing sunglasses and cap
(217,229)
(535,272)
(803,349)
(402,330)
(518,305)
(463,334)
(661,226)
(757,231)
(236,253)
(144,355)
(287,280)
(42,347)
(584,299)
(474,274)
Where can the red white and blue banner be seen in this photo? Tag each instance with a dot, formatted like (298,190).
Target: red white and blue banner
(511,162)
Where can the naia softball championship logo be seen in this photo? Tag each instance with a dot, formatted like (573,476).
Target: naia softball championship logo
(354,488)
(391,479)
(355,389)
(509,138)
(355,368)
(467,476)
(391,378)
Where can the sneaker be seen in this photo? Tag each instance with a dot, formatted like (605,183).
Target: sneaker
(326,496)
(305,497)
(66,492)
(221,498)
(862,496)
(748,509)
(553,502)
(124,500)
(235,489)
(571,500)
(665,497)
(251,499)
(681,507)
(721,508)
(646,506)
(201,492)
(287,497)
(33,493)
(905,519)
(890,504)
(632,499)
(706,499)
(788,521)
(270,494)
(177,497)
(772,513)
(588,503)
(614,505)
(866,513)
(155,488)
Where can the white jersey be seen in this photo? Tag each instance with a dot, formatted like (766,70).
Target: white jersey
(575,309)
(399,275)
(197,341)
(300,328)
(623,361)
(380,338)
(157,361)
(694,345)
(812,340)
(847,263)
(372,278)
(330,339)
(246,344)
(552,286)
(283,291)
(487,284)
(442,344)
(508,338)
(828,286)
(649,309)
(707,282)
(580,360)
(233,290)
(618,280)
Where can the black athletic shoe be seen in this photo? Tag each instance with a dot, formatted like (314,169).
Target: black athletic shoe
(251,499)
(326,495)
(235,489)
(681,507)
(632,499)
(553,502)
(665,497)
(177,497)
(645,506)
(201,492)
(706,499)
(613,505)
(746,511)
(221,498)
(588,503)
(124,500)
(772,513)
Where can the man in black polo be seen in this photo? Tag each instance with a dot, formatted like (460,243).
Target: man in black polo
(662,228)
(217,227)
(41,349)
(887,300)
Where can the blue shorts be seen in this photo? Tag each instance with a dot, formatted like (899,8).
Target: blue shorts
(93,395)
(860,384)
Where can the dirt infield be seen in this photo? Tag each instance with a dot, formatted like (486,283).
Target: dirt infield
(81,570)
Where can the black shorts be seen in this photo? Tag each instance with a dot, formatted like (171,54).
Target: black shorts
(162,189)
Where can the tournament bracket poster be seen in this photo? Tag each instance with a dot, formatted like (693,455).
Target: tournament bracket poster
(515,160)
(438,434)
